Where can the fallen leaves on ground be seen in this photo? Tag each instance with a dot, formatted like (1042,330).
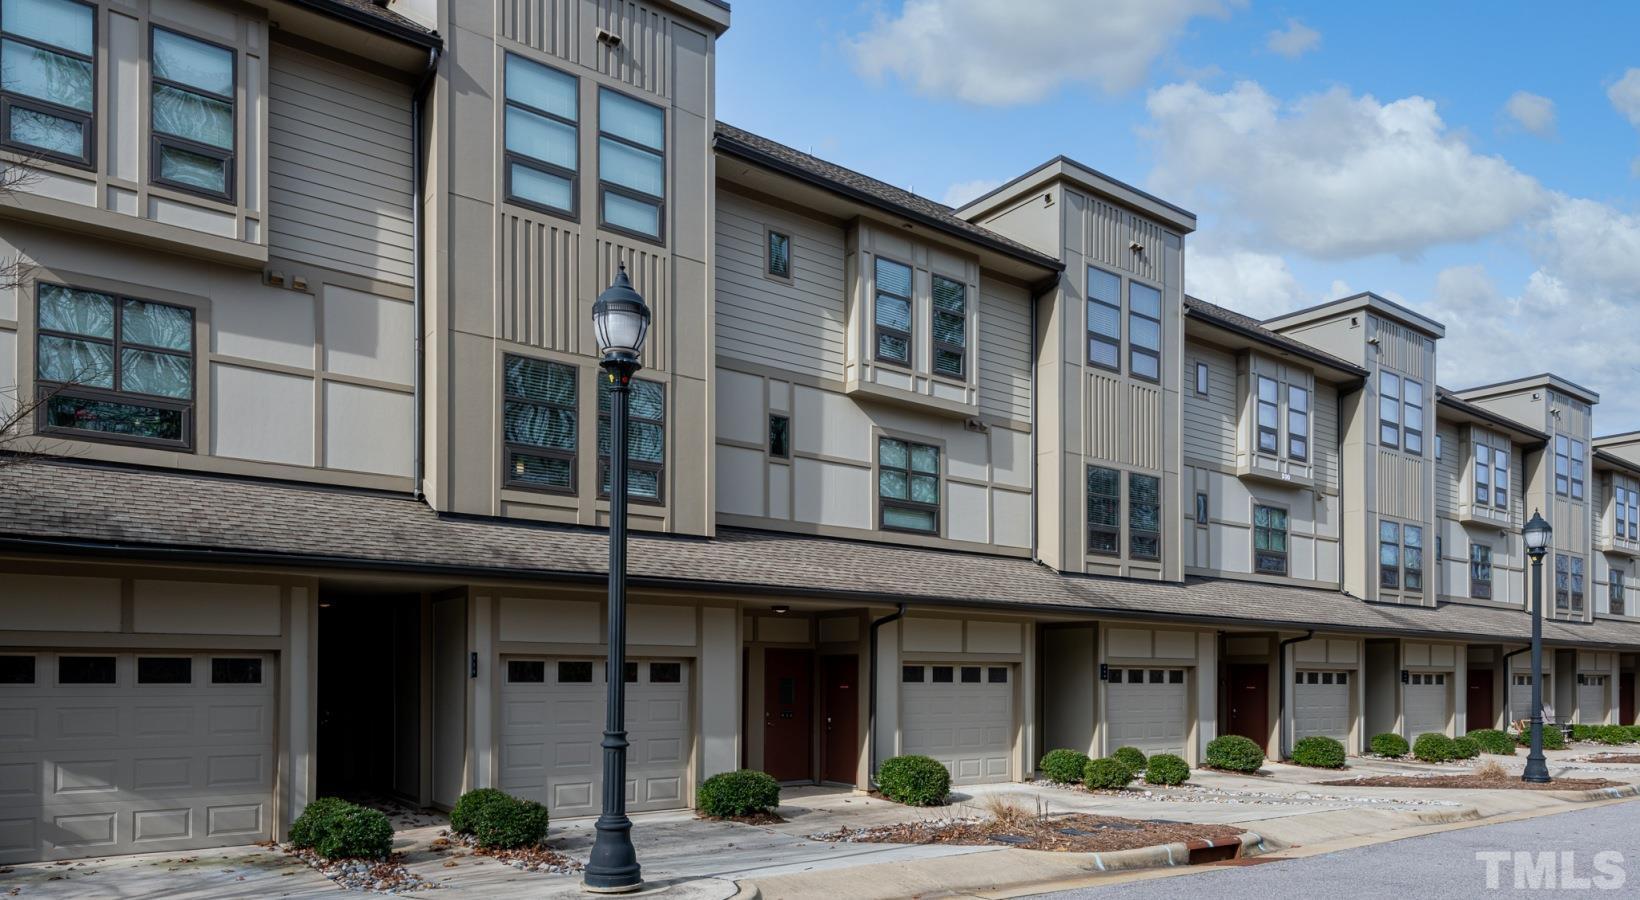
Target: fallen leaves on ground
(1077,833)
(1475,782)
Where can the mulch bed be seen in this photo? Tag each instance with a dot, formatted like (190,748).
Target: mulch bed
(1475,782)
(1614,758)
(527,859)
(1066,834)
(757,818)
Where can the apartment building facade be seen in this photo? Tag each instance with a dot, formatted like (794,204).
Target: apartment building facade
(316,493)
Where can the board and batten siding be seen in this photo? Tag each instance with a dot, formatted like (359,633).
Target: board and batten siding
(1210,422)
(339,161)
(1004,351)
(799,326)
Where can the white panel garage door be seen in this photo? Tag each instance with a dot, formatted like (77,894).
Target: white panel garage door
(104,753)
(552,723)
(1427,703)
(1321,704)
(1148,709)
(962,716)
(1520,695)
(1591,699)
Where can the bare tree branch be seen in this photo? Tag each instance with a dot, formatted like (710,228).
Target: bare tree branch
(18,443)
(17,172)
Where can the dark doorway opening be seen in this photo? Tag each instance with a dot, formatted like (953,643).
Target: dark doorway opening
(1481,712)
(1625,698)
(840,707)
(1249,698)
(369,696)
(788,714)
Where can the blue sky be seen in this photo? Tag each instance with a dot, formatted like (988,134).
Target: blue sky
(1479,162)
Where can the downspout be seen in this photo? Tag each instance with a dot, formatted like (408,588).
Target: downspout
(871,715)
(417,171)
(1036,423)
(1281,684)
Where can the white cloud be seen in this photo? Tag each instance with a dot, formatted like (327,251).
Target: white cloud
(1332,175)
(1625,96)
(1532,112)
(1256,284)
(1293,41)
(963,191)
(1000,54)
(1591,245)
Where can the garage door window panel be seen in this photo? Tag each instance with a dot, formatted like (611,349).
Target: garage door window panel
(165,670)
(526,671)
(86,670)
(236,670)
(16,669)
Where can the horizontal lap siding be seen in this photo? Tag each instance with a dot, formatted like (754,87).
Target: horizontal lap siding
(1210,421)
(1005,352)
(1324,422)
(339,167)
(1449,470)
(797,326)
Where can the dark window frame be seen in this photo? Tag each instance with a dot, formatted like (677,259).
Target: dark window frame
(1411,549)
(1563,465)
(1563,581)
(1389,574)
(1203,382)
(1480,571)
(769,235)
(1412,398)
(1274,406)
(1284,556)
(1202,509)
(1579,468)
(877,327)
(1385,403)
(229,157)
(88,120)
(658,468)
(511,157)
(1615,603)
(1114,530)
(1095,336)
(1298,439)
(1132,526)
(608,187)
(1501,464)
(1134,350)
(784,451)
(512,448)
(886,503)
(961,350)
(1577,583)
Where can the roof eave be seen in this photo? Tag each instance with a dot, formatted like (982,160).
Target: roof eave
(1349,370)
(359,17)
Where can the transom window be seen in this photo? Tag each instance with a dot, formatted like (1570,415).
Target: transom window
(1269,415)
(645,440)
(950,327)
(1144,516)
(48,78)
(115,367)
(1269,540)
(1104,319)
(1144,331)
(1298,423)
(631,164)
(1480,571)
(779,256)
(892,313)
(539,422)
(192,112)
(541,146)
(1104,511)
(908,486)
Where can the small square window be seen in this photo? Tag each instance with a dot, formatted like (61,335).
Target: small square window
(526,671)
(165,670)
(943,674)
(574,671)
(85,670)
(1343,678)
(1175,676)
(970,674)
(1115,676)
(236,670)
(1156,676)
(630,670)
(911,674)
(780,437)
(16,670)
(665,673)
(1326,677)
(997,675)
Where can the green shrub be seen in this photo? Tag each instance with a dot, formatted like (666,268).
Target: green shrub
(1553,737)
(1584,732)
(1467,747)
(1165,768)
(1319,752)
(1434,747)
(1063,766)
(510,823)
(1132,757)
(470,806)
(1389,744)
(1107,773)
(1492,740)
(1612,734)
(913,780)
(337,829)
(1234,753)
(1632,734)
(737,793)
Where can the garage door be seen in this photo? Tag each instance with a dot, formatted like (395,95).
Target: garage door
(1591,699)
(1148,709)
(104,753)
(962,716)
(552,723)
(1427,702)
(1321,704)
(1520,695)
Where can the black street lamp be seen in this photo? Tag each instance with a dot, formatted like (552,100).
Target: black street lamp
(1537,534)
(621,320)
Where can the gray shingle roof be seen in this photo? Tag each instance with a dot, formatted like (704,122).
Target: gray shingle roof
(70,506)
(370,14)
(1225,317)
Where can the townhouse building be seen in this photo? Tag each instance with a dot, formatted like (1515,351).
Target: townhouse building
(310,489)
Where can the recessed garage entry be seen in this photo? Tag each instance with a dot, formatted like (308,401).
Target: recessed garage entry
(1148,709)
(1428,702)
(104,753)
(552,723)
(961,715)
(1591,699)
(1321,704)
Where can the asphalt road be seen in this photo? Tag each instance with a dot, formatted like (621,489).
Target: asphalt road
(1450,864)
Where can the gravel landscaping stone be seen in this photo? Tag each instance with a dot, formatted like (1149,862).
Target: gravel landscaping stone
(1476,782)
(381,876)
(539,858)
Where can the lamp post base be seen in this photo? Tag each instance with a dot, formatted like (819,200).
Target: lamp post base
(1537,771)
(612,867)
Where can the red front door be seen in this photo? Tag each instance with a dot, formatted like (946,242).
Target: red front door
(1250,702)
(788,714)
(840,704)
(1481,713)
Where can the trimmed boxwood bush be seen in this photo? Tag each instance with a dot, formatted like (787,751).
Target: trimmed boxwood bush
(1467,747)
(470,806)
(1063,766)
(1492,740)
(913,780)
(1434,747)
(499,820)
(1553,737)
(1132,757)
(1234,753)
(1165,768)
(1389,744)
(1107,773)
(337,829)
(737,793)
(1612,734)
(1319,752)
(1584,732)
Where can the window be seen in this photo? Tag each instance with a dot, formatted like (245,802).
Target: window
(1389,555)
(1483,475)
(1413,421)
(1201,508)
(16,669)
(48,79)
(1104,319)
(940,674)
(236,670)
(1201,378)
(1389,409)
(1480,571)
(191,111)
(1298,423)
(911,674)
(1269,540)
(908,486)
(1144,331)
(114,366)
(1577,470)
(780,256)
(950,327)
(996,675)
(1634,515)
(1620,497)
(970,674)
(1563,581)
(1563,465)
(572,671)
(665,673)
(1440,450)
(1577,583)
(539,423)
(1616,596)
(1144,516)
(780,436)
(165,670)
(1269,415)
(1412,557)
(631,164)
(1104,511)
(85,670)
(526,671)
(541,145)
(1500,476)
(893,311)
(645,440)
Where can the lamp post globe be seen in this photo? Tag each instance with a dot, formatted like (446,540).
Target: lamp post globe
(621,319)
(1536,535)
